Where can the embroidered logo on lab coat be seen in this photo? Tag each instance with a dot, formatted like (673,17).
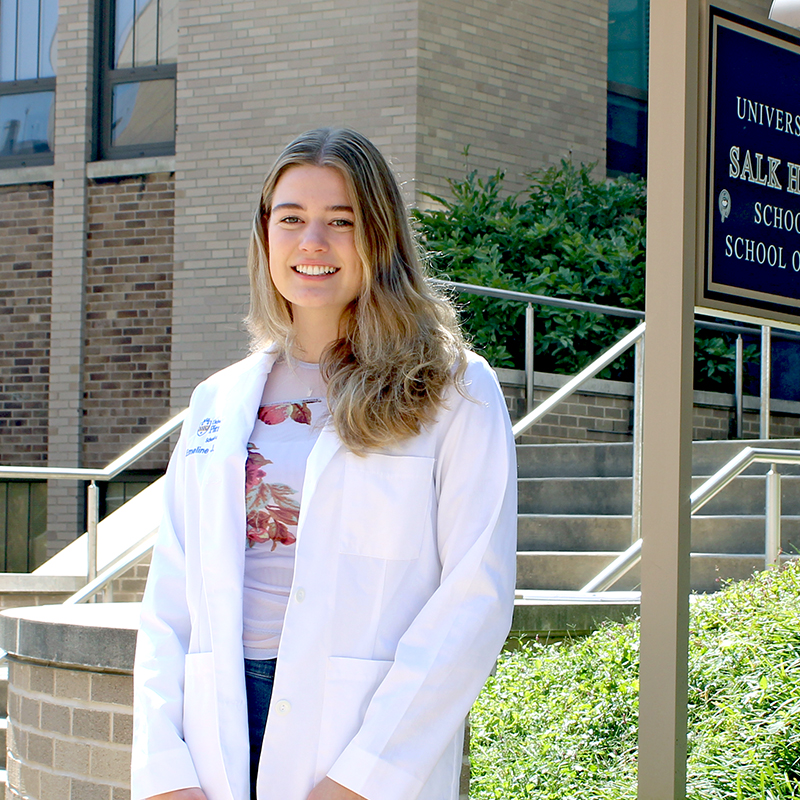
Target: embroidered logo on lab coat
(208,425)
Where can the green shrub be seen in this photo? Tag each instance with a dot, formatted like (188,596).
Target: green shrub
(568,235)
(559,722)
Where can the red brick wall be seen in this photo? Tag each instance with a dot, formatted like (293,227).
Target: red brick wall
(129,269)
(26,260)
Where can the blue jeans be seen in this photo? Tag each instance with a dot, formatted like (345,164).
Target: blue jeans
(258,679)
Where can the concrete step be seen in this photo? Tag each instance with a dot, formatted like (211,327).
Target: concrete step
(613,460)
(571,570)
(583,495)
(3,783)
(708,457)
(603,496)
(710,534)
(574,460)
(573,532)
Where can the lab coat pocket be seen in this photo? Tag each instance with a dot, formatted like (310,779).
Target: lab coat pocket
(201,725)
(350,684)
(386,505)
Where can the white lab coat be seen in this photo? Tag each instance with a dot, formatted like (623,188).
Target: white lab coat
(401,599)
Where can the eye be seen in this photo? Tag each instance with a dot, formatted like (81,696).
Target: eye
(289,220)
(342,223)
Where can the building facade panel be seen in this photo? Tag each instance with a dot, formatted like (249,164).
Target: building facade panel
(73,146)
(246,87)
(521,84)
(129,276)
(26,261)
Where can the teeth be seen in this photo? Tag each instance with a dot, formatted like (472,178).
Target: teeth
(309,269)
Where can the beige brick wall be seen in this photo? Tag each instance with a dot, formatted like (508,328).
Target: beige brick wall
(26,260)
(69,733)
(129,587)
(249,81)
(521,83)
(73,112)
(128,310)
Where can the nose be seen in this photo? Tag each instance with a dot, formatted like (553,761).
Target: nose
(315,237)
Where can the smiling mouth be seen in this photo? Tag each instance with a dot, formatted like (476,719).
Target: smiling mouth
(314,269)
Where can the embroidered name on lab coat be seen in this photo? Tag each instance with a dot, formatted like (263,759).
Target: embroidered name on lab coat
(207,426)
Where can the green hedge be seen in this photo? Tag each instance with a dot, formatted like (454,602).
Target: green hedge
(559,722)
(568,235)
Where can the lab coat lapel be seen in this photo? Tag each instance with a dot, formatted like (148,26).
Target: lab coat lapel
(222,558)
(224,525)
(325,448)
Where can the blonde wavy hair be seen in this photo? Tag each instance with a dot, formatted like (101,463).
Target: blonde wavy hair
(400,344)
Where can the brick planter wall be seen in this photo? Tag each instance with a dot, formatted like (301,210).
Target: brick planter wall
(69,733)
(70,696)
(602,412)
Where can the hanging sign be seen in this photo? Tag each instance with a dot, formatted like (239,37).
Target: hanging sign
(752,253)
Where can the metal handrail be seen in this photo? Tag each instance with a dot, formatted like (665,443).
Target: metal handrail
(540,299)
(766,333)
(610,311)
(706,491)
(113,469)
(576,382)
(119,566)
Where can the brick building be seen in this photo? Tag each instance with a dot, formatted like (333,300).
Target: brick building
(134,137)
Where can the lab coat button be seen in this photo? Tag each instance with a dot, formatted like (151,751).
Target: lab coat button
(300,595)
(283,707)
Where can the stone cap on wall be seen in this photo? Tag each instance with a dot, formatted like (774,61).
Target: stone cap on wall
(96,636)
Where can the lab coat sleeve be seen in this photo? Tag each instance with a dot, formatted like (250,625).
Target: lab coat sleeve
(446,654)
(160,759)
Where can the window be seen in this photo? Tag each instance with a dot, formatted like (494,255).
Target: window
(23,525)
(27,81)
(628,53)
(137,81)
(116,492)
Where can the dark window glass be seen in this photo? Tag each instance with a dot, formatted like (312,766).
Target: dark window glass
(143,112)
(626,137)
(123,35)
(137,115)
(23,525)
(117,492)
(47,38)
(8,40)
(628,54)
(27,81)
(628,42)
(26,124)
(28,33)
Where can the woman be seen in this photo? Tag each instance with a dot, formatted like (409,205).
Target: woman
(343,499)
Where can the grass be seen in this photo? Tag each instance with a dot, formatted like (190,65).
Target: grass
(560,721)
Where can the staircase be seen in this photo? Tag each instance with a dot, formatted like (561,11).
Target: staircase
(574,514)
(3,727)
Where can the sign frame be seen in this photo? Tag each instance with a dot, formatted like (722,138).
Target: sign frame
(716,299)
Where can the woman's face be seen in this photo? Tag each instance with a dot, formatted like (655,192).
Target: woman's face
(311,235)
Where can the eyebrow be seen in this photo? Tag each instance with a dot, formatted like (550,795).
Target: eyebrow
(302,208)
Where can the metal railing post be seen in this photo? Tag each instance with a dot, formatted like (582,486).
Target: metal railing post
(92,514)
(530,317)
(766,379)
(638,422)
(739,388)
(772,543)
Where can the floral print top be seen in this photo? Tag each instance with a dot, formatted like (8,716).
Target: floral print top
(291,415)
